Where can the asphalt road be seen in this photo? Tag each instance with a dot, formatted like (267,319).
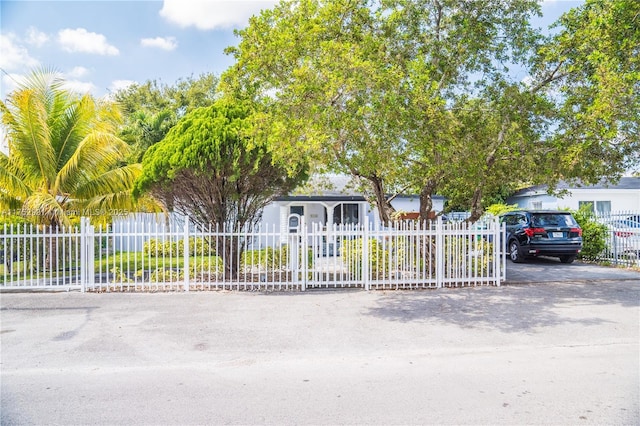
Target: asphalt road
(532,353)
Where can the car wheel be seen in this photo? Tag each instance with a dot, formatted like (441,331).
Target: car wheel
(567,259)
(514,252)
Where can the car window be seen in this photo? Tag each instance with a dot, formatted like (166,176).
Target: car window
(551,219)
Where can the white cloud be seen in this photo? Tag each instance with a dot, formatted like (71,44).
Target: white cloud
(165,43)
(13,56)
(77,86)
(117,85)
(212,14)
(77,72)
(36,37)
(81,40)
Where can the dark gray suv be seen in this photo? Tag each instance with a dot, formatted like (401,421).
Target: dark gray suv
(532,233)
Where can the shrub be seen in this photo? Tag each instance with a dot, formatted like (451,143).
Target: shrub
(594,234)
(352,252)
(500,208)
(461,254)
(197,247)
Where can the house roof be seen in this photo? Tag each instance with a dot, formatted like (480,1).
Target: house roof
(624,183)
(331,187)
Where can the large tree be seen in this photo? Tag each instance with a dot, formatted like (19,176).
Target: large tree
(152,108)
(64,156)
(591,70)
(366,85)
(215,166)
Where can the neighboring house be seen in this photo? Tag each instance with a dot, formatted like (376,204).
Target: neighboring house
(335,203)
(604,197)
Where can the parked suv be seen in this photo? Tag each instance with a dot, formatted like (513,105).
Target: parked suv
(532,233)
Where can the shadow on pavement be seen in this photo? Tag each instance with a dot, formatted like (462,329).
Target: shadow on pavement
(508,308)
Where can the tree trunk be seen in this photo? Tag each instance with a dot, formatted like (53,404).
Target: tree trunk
(385,209)
(476,206)
(426,201)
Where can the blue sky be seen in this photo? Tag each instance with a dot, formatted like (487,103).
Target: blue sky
(101,46)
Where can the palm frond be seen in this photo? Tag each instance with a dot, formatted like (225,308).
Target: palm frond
(29,137)
(112,181)
(41,207)
(12,183)
(96,154)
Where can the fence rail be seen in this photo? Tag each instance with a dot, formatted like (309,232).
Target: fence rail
(161,257)
(622,237)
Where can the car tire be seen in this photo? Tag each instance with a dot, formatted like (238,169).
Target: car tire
(567,259)
(514,253)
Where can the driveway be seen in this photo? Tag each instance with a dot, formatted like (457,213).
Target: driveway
(532,353)
(547,269)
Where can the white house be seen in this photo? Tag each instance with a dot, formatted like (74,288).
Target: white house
(604,197)
(336,203)
(333,200)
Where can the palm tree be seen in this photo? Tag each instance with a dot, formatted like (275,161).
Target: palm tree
(64,158)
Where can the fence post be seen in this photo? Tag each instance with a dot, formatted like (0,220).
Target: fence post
(440,249)
(304,254)
(497,249)
(365,254)
(87,255)
(185,253)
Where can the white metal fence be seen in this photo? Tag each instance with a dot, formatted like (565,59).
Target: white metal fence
(170,258)
(622,237)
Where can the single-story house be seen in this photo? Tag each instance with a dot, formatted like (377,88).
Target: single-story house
(333,200)
(327,200)
(605,197)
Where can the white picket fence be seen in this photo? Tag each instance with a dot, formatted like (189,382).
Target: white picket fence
(403,256)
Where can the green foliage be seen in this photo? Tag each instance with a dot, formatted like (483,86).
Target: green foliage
(12,222)
(464,256)
(498,209)
(366,88)
(157,248)
(268,256)
(594,234)
(591,69)
(151,109)
(64,157)
(352,250)
(215,168)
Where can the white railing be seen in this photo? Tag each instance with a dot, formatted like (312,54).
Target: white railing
(622,238)
(153,258)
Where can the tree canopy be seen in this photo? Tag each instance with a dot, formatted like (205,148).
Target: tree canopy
(418,95)
(215,166)
(366,87)
(64,156)
(151,109)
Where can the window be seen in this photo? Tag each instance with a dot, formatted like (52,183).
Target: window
(299,210)
(346,214)
(537,205)
(600,206)
(603,206)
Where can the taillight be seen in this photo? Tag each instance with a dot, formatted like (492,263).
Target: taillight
(623,234)
(576,231)
(532,231)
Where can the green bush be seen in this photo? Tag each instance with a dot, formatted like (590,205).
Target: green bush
(465,249)
(500,208)
(594,234)
(197,247)
(267,256)
(352,252)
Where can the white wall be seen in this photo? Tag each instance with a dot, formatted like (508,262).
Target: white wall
(621,199)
